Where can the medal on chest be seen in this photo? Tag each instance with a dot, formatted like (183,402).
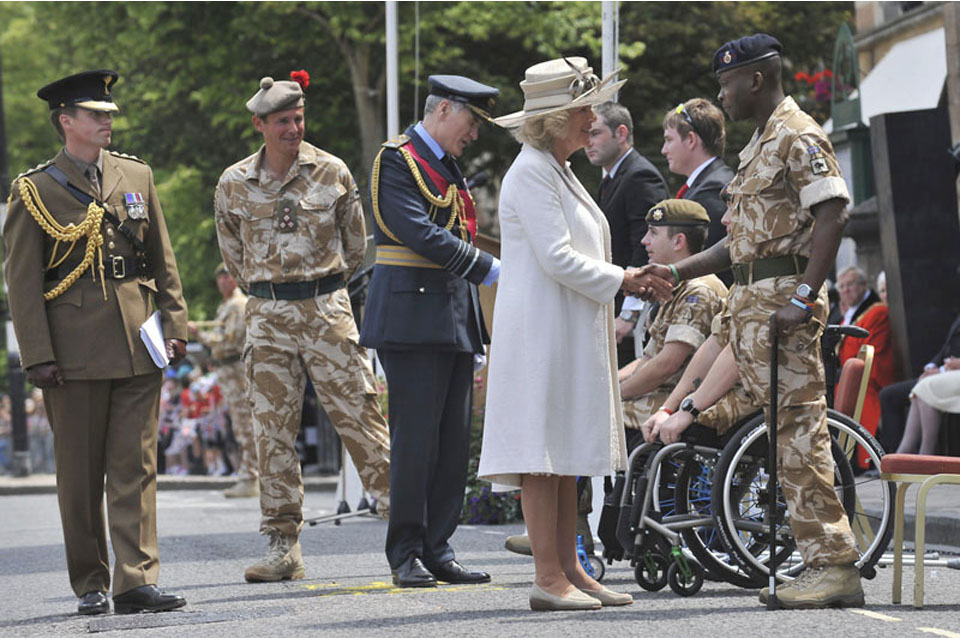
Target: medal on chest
(286,215)
(136,206)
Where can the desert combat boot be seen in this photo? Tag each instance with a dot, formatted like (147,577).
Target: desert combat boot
(834,586)
(282,562)
(246,488)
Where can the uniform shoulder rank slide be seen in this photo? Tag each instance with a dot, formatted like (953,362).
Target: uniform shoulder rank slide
(127,156)
(396,143)
(39,167)
(136,206)
(818,162)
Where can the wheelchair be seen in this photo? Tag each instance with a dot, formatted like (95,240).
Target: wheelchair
(699,508)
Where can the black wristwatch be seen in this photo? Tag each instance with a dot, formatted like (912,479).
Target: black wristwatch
(687,405)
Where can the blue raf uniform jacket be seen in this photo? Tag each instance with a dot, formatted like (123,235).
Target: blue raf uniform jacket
(431,307)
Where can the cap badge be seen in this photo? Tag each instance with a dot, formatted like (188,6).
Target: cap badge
(657,215)
(106,85)
(136,206)
(727,57)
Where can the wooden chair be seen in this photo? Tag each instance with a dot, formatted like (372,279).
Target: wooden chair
(907,469)
(848,400)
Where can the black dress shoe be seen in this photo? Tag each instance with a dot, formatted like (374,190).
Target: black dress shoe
(147,598)
(92,603)
(412,573)
(454,572)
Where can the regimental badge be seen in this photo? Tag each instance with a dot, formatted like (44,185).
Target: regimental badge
(818,162)
(286,215)
(657,215)
(136,206)
(727,57)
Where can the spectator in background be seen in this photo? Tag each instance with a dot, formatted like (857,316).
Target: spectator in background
(630,186)
(870,313)
(931,396)
(882,287)
(39,433)
(894,398)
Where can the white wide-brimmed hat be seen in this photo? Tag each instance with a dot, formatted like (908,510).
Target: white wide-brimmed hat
(555,85)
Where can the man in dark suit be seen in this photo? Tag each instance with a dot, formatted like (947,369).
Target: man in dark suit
(631,185)
(423,318)
(693,142)
(77,314)
(895,398)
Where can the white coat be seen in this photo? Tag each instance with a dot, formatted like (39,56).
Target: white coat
(553,399)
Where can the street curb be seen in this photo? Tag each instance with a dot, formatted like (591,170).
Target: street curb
(47,484)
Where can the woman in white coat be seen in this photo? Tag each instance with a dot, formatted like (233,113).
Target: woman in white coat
(553,403)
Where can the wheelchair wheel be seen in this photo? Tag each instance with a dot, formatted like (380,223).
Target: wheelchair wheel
(693,497)
(651,571)
(685,585)
(598,566)
(740,498)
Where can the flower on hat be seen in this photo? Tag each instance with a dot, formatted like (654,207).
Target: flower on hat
(301,77)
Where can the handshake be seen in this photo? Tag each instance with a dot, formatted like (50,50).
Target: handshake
(650,282)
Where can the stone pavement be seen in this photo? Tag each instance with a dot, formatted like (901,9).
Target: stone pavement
(206,541)
(943,503)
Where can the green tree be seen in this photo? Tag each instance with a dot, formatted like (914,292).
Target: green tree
(188,68)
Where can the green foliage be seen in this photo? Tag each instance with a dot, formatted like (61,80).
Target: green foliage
(188,68)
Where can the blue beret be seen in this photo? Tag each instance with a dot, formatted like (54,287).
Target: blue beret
(479,97)
(745,50)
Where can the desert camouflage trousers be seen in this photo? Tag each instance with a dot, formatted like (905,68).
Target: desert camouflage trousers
(286,341)
(729,411)
(638,410)
(806,467)
(232,379)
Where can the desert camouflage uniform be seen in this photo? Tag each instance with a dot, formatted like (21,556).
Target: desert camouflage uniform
(736,404)
(306,226)
(685,318)
(784,171)
(225,341)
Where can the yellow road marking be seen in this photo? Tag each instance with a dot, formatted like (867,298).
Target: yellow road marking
(875,615)
(334,589)
(939,632)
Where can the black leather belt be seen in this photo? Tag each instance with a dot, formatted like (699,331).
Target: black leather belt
(296,290)
(750,272)
(116,267)
(222,362)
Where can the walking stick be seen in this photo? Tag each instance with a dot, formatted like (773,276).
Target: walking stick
(772,462)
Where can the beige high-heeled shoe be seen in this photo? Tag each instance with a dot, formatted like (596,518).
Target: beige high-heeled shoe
(541,600)
(609,598)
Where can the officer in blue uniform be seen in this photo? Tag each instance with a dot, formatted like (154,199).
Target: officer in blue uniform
(423,318)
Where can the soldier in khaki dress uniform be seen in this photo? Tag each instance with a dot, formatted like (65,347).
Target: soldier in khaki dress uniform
(225,340)
(291,232)
(676,229)
(88,259)
(788,178)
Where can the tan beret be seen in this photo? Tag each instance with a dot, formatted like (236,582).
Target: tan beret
(221,268)
(275,96)
(677,213)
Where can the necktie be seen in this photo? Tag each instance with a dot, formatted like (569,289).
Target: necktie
(94,179)
(603,185)
(454,170)
(682,190)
